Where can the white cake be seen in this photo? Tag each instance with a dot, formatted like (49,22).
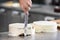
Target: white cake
(15,29)
(45,26)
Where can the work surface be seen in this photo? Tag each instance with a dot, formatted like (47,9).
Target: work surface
(38,36)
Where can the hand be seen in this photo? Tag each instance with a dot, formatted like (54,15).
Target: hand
(25,5)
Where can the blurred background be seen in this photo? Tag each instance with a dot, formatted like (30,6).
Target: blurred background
(10,12)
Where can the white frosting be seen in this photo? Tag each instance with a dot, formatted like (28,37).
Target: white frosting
(16,29)
(45,23)
(17,25)
(45,26)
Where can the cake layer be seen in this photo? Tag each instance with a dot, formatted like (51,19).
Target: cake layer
(45,26)
(15,29)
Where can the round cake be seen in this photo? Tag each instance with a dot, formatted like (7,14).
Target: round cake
(15,29)
(45,26)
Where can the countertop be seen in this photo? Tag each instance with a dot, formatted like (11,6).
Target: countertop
(37,36)
(36,8)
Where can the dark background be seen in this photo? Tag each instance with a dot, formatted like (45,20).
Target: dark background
(53,2)
(34,1)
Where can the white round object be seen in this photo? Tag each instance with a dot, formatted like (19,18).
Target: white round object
(45,26)
(15,29)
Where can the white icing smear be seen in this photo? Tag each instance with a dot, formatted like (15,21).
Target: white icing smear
(45,23)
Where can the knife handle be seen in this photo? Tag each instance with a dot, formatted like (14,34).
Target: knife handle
(27,13)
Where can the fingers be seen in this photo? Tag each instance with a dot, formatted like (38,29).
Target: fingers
(25,5)
(25,9)
(29,3)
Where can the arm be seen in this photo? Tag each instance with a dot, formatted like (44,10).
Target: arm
(25,5)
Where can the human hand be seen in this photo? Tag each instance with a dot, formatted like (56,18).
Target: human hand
(25,5)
